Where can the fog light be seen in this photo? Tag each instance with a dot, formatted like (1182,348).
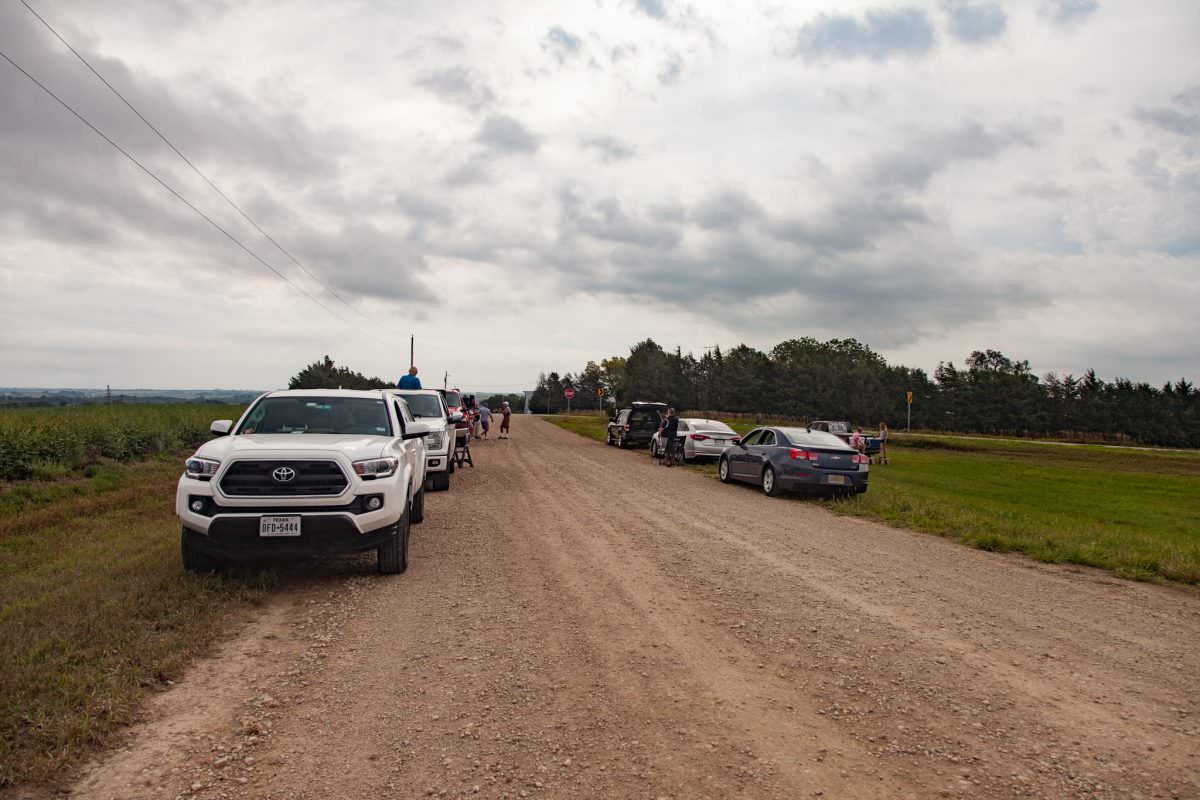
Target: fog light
(197,506)
(374,503)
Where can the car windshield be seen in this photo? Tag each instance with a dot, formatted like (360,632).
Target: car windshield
(423,405)
(803,437)
(453,399)
(295,415)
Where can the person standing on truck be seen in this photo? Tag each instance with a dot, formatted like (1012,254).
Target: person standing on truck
(409,381)
(505,418)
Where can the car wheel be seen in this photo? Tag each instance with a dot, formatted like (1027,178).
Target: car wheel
(393,554)
(608,438)
(418,507)
(723,471)
(195,559)
(621,441)
(769,484)
(440,481)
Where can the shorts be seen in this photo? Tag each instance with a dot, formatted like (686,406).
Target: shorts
(485,424)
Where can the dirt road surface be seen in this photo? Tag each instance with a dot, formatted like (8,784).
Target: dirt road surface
(578,622)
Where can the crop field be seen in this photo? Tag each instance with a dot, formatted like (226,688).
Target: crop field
(49,443)
(95,609)
(1133,512)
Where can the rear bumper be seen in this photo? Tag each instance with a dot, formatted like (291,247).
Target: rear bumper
(824,481)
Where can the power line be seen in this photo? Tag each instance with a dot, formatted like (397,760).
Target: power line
(181,198)
(195,169)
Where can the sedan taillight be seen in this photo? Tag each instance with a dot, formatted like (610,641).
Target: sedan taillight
(699,437)
(626,427)
(805,455)
(859,458)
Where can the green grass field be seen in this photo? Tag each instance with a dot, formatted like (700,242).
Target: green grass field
(95,609)
(1133,512)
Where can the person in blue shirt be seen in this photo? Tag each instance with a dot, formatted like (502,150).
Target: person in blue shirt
(409,381)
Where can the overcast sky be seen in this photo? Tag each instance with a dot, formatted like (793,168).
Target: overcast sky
(525,186)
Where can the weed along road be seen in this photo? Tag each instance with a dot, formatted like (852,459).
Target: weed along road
(578,622)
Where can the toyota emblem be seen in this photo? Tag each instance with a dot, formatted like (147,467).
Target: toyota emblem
(283,474)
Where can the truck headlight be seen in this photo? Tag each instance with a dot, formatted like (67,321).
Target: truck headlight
(376,467)
(201,469)
(434,441)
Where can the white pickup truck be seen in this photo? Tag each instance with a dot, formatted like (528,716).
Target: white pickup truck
(306,471)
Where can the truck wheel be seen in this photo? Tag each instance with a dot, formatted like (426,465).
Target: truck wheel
(439,481)
(393,554)
(418,507)
(195,559)
(769,485)
(723,471)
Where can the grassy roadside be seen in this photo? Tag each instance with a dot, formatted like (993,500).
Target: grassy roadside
(1133,512)
(95,610)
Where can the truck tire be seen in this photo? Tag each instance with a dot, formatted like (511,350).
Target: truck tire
(439,481)
(418,507)
(195,559)
(450,462)
(393,554)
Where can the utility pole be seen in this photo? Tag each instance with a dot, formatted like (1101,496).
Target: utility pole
(446,381)
(412,349)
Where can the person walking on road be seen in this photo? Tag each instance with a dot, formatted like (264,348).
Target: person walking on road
(505,418)
(485,419)
(409,381)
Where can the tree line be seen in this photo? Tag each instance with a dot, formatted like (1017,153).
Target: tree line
(845,379)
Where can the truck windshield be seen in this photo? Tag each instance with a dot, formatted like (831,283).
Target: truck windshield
(424,405)
(294,415)
(454,399)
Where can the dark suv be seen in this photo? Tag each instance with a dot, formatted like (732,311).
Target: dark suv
(636,425)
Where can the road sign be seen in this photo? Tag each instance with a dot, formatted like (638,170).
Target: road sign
(910,398)
(600,392)
(569,393)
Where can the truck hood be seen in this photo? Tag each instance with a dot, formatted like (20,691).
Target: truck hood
(355,447)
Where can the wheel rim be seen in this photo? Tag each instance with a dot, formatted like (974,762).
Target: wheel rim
(724,469)
(768,480)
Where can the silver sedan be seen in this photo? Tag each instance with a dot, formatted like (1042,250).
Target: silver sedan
(702,438)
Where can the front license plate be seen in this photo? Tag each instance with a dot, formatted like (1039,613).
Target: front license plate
(279,526)
(835,479)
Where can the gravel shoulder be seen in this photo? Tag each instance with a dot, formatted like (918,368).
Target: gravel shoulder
(578,622)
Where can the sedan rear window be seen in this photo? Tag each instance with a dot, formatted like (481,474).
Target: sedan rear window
(802,436)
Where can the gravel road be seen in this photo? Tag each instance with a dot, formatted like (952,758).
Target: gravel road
(577,622)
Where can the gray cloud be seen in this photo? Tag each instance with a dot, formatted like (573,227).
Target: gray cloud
(562,45)
(1066,13)
(726,211)
(471,173)
(652,8)
(1183,118)
(851,225)
(1044,190)
(671,70)
(877,36)
(363,261)
(421,208)
(914,166)
(607,220)
(608,148)
(504,134)
(975,21)
(458,85)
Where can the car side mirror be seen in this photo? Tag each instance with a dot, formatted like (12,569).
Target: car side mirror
(414,435)
(220,427)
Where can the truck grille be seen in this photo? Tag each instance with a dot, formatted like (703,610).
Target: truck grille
(257,479)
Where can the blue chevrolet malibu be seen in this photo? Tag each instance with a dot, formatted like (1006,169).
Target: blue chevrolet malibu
(795,459)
